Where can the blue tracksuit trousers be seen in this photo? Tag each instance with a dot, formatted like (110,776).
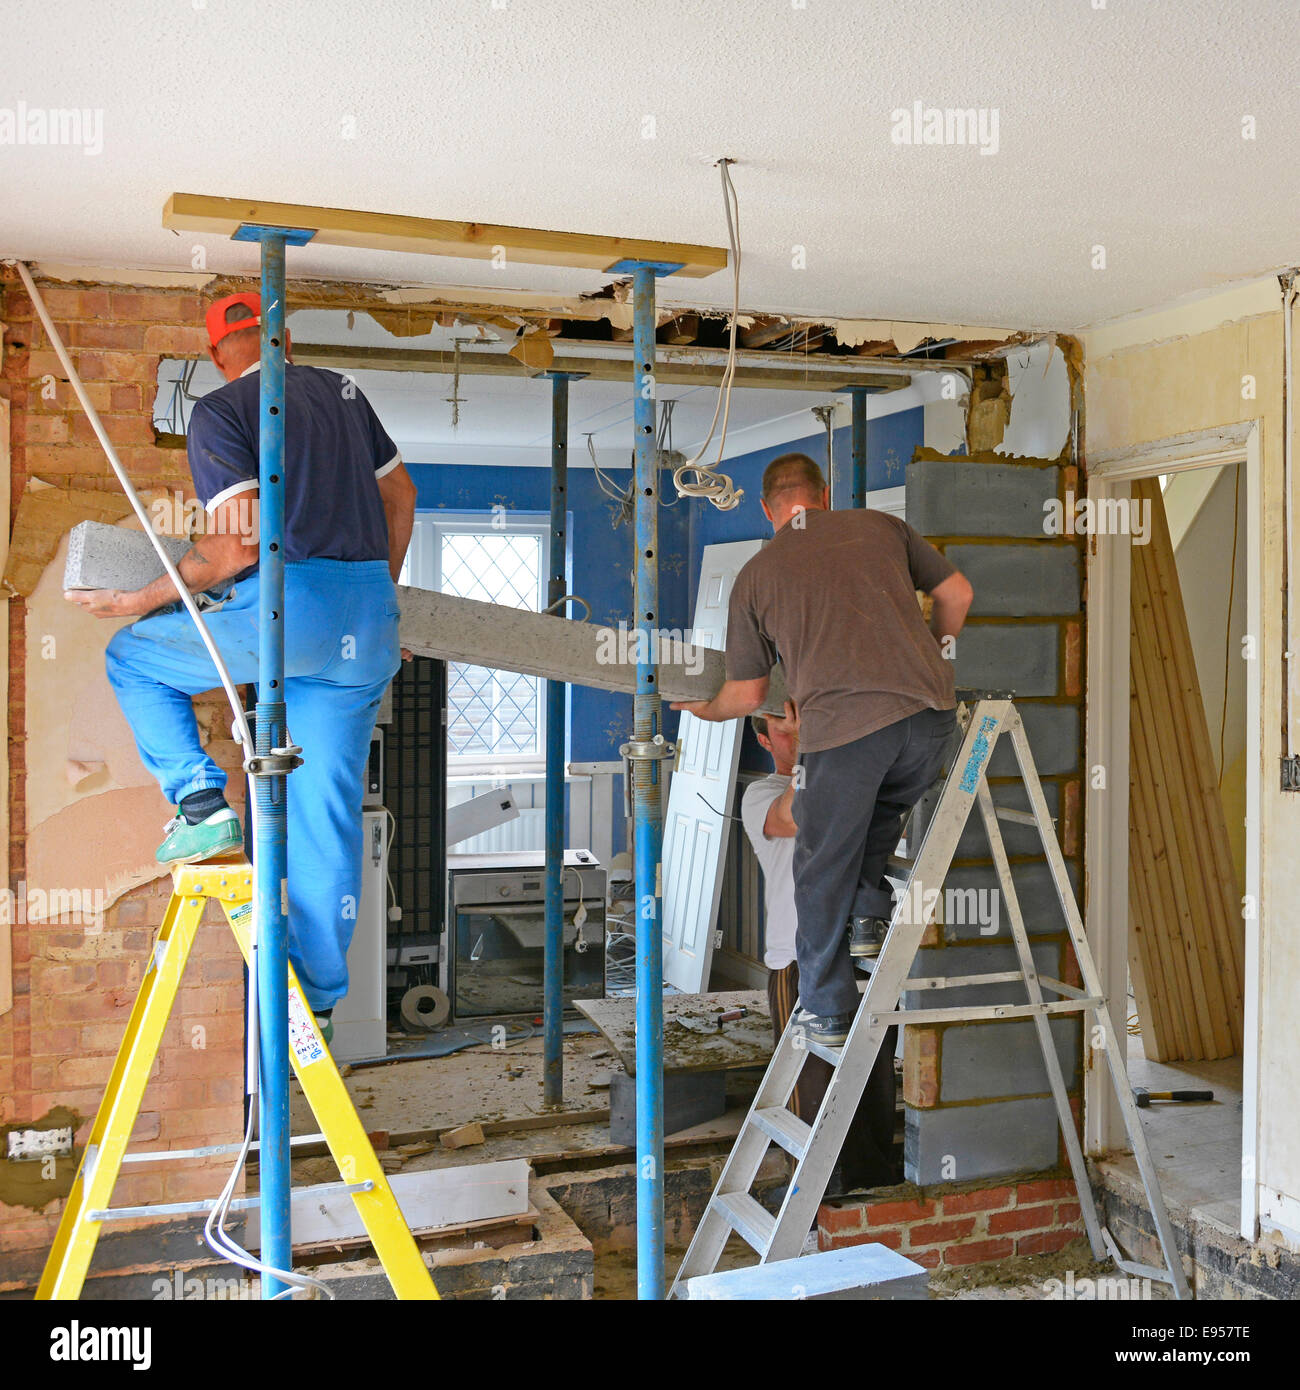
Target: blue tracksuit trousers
(341,651)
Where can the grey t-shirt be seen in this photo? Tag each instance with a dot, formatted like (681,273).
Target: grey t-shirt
(834,599)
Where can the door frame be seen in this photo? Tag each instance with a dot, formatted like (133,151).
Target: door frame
(1107,747)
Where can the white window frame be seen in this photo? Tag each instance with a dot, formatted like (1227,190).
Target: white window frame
(423,569)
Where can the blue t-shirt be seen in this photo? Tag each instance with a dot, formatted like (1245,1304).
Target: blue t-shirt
(334,451)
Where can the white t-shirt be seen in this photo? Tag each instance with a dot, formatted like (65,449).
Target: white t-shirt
(776,858)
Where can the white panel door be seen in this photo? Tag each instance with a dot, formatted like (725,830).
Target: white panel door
(699,796)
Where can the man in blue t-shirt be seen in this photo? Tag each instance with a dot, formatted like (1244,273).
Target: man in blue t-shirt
(349,504)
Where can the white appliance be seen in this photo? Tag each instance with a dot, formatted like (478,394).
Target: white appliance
(361,1016)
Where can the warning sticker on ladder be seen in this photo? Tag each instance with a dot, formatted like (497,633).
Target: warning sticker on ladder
(303,1038)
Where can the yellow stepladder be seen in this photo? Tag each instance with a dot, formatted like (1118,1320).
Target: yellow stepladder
(87,1206)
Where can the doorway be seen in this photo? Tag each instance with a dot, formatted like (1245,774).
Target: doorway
(1211,479)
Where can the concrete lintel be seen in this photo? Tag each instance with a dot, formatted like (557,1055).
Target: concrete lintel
(564,649)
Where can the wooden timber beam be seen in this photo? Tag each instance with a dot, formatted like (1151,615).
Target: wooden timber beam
(386,231)
(667,373)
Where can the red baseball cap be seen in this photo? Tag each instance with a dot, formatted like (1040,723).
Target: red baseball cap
(222,317)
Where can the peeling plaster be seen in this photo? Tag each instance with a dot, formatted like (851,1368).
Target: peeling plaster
(907,336)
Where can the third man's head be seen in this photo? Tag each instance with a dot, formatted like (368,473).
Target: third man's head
(793,483)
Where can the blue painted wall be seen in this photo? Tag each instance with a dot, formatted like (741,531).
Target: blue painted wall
(600,567)
(600,557)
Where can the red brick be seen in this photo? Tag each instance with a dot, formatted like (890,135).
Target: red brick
(126,337)
(1071,820)
(984,1199)
(1044,1190)
(1067,1212)
(62,458)
(76,304)
(55,1042)
(921,1067)
(839,1218)
(181,339)
(125,398)
(888,1213)
(84,1071)
(1033,1218)
(85,1008)
(123,430)
(977,1252)
(928,1259)
(157,307)
(1073,658)
(939,1232)
(147,1127)
(1045,1242)
(29,428)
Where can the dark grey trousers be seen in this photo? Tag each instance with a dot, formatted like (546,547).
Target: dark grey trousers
(849,810)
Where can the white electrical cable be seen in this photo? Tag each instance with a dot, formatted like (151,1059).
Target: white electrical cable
(217,1237)
(717,487)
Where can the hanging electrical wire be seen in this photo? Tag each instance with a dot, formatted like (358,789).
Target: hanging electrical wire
(667,456)
(611,489)
(705,480)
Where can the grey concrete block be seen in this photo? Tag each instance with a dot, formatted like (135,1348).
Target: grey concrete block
(1016,581)
(1019,657)
(974,842)
(981,1060)
(963,1142)
(976,960)
(114,557)
(947,497)
(1053,732)
(1035,891)
(855,1272)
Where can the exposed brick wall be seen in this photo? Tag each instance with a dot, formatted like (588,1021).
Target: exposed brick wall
(958,1226)
(977,1096)
(74,987)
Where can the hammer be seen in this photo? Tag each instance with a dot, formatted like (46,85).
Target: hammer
(1145,1097)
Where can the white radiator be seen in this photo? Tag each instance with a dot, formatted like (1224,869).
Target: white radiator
(527,831)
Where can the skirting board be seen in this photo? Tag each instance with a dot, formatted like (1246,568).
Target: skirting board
(561,649)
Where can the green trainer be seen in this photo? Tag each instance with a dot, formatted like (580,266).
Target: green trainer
(219,835)
(325,1022)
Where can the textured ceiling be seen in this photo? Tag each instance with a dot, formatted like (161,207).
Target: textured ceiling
(1118,126)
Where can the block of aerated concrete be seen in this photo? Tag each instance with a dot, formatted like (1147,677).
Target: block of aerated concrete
(114,557)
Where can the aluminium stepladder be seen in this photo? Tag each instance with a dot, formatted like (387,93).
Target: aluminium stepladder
(815,1147)
(87,1206)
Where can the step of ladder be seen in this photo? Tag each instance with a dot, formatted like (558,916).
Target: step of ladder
(814,1147)
(750,1220)
(784,1128)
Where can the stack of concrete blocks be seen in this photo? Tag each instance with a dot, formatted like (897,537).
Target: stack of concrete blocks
(977,1096)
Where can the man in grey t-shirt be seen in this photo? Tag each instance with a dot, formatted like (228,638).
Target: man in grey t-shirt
(833,597)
